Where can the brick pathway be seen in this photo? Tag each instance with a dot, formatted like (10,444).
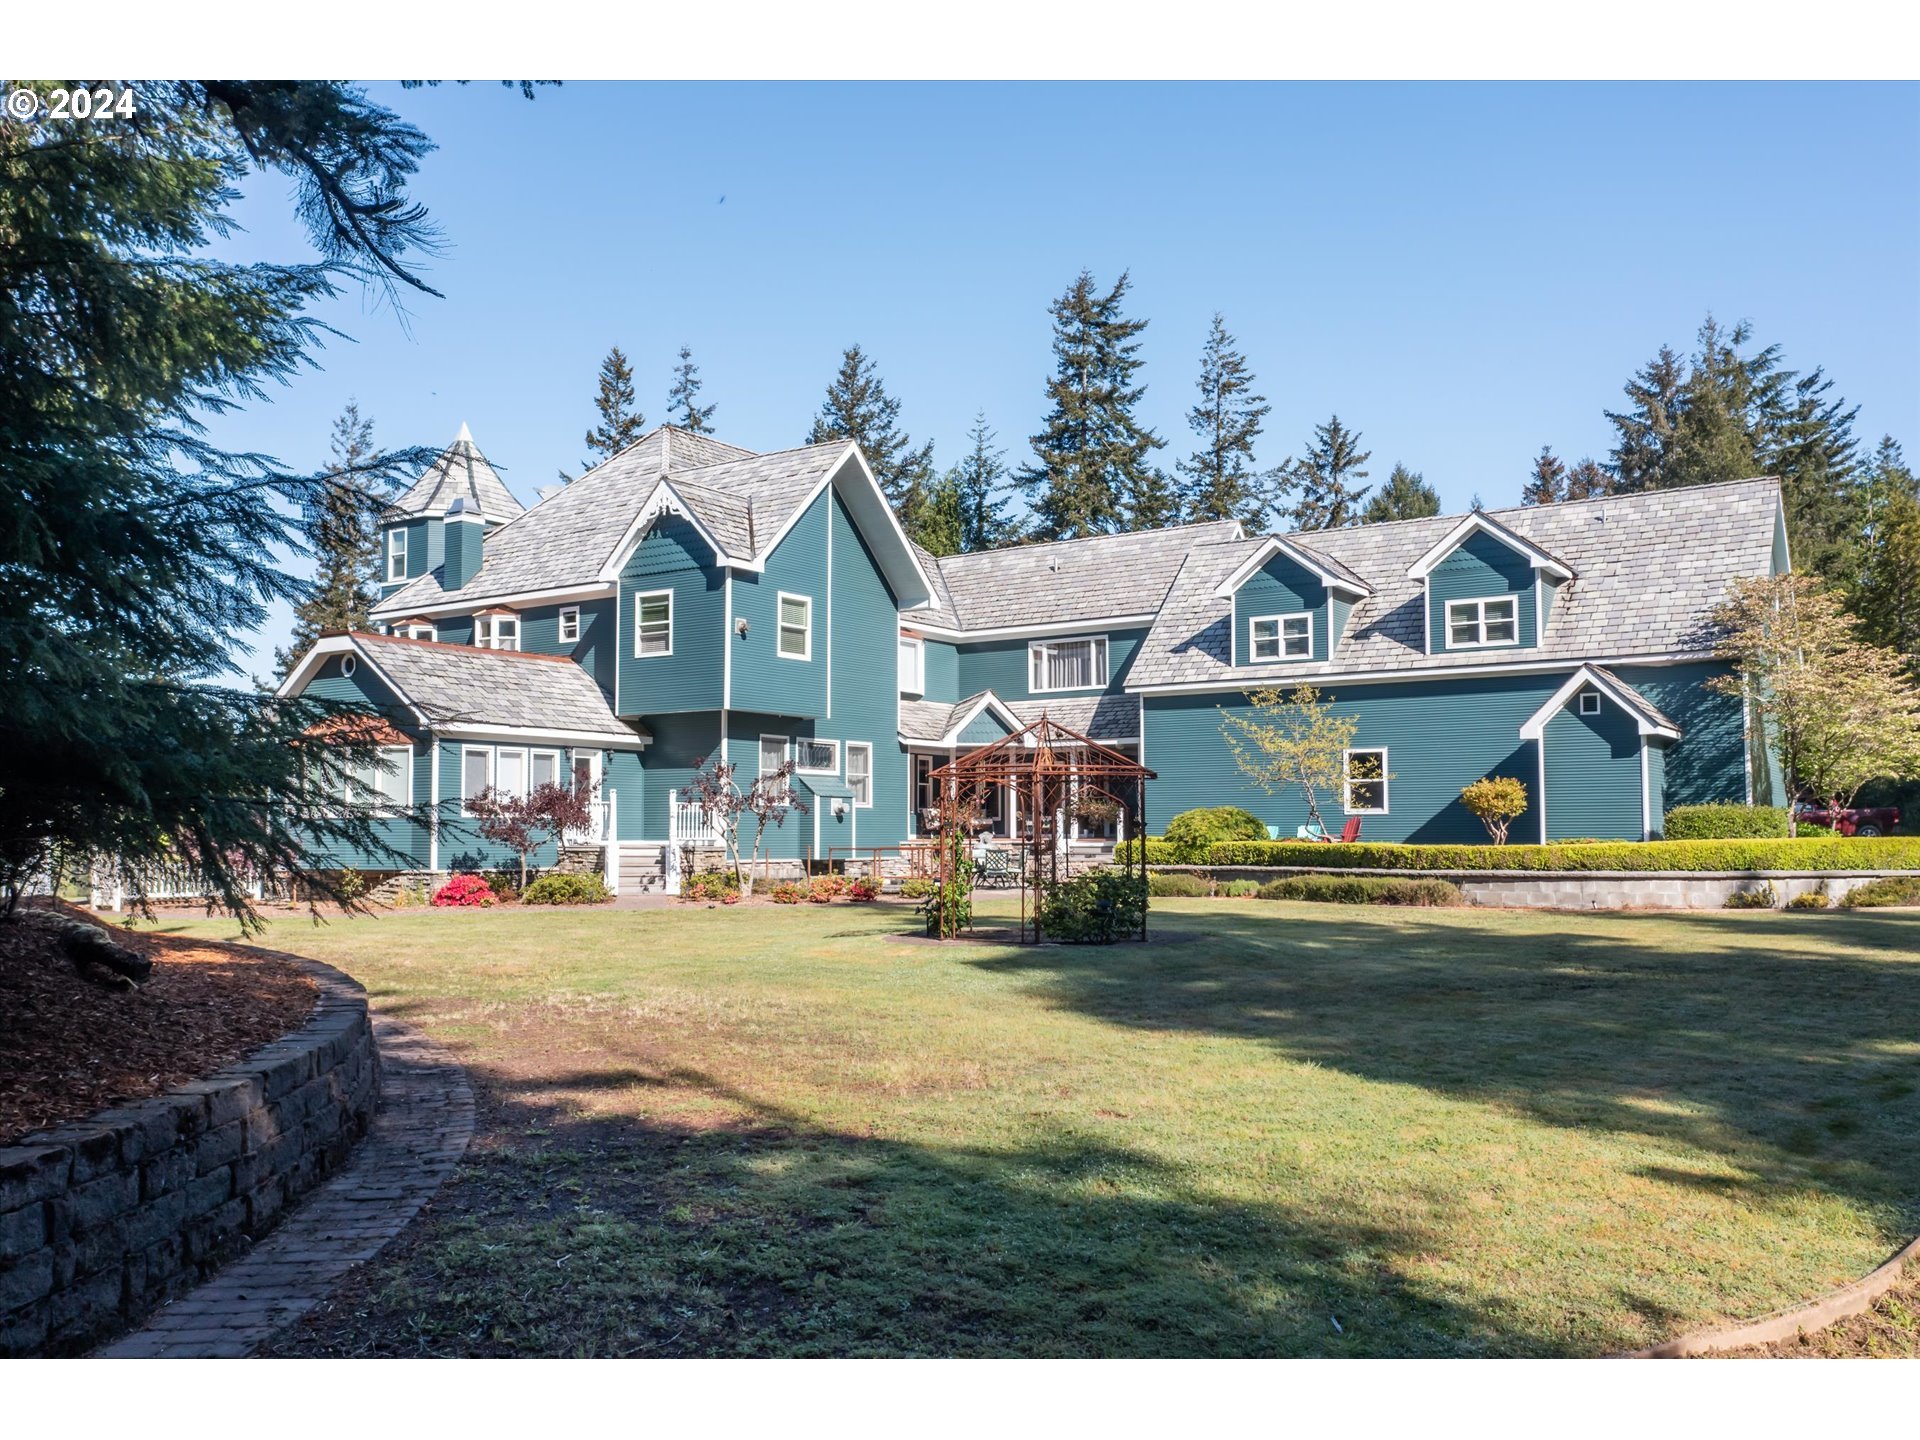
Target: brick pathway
(418,1135)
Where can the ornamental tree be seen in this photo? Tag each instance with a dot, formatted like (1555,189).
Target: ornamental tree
(1292,741)
(1840,710)
(1496,801)
(726,805)
(523,823)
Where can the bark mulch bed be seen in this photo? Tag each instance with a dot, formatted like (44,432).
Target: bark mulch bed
(69,1048)
(1890,1330)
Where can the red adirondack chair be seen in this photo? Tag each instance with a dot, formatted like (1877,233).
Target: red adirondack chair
(1351,831)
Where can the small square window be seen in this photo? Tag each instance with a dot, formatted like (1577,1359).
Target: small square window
(570,625)
(1590,702)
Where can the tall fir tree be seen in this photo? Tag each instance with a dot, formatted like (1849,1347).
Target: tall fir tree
(344,539)
(1588,479)
(1644,431)
(1811,446)
(981,478)
(1091,473)
(1547,485)
(941,520)
(620,423)
(1405,496)
(858,408)
(1885,580)
(683,407)
(1321,483)
(1220,481)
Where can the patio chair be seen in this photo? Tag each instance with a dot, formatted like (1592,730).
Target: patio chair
(1351,831)
(1312,832)
(996,870)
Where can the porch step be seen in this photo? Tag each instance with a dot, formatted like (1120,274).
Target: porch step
(643,866)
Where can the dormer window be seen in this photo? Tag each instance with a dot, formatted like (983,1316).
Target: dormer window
(396,554)
(1480,622)
(496,631)
(1280,637)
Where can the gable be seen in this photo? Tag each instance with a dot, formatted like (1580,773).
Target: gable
(1282,586)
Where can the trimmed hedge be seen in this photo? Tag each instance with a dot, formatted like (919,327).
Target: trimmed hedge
(1177,883)
(1726,822)
(1882,853)
(1159,852)
(1363,890)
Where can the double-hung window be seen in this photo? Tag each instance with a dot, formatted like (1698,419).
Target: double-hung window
(1472,623)
(569,624)
(913,666)
(476,771)
(396,554)
(653,623)
(1280,637)
(384,783)
(796,627)
(544,769)
(496,632)
(860,773)
(816,757)
(510,771)
(1068,664)
(1365,790)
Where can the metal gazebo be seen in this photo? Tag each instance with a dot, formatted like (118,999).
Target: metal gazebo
(1049,772)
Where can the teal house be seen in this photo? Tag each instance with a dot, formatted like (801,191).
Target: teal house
(688,599)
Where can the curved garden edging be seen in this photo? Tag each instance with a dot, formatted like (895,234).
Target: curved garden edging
(1841,1304)
(1577,889)
(103,1219)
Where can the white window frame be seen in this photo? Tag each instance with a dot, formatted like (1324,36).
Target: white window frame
(533,755)
(466,796)
(913,671)
(1035,648)
(1280,637)
(639,604)
(780,626)
(1346,779)
(348,664)
(865,748)
(500,752)
(803,740)
(393,766)
(1589,695)
(486,632)
(1478,606)
(412,632)
(569,624)
(396,554)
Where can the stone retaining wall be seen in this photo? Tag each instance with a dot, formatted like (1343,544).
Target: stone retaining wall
(1581,890)
(103,1219)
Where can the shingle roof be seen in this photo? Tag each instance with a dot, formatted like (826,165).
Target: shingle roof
(460,472)
(934,720)
(453,685)
(1098,717)
(1062,580)
(1650,567)
(1652,711)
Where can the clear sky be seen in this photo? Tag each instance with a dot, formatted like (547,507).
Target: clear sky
(1463,272)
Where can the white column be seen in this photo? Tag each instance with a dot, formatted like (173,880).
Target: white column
(610,847)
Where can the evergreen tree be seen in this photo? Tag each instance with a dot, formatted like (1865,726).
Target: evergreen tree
(620,424)
(1324,479)
(343,537)
(1642,449)
(1091,474)
(1886,582)
(858,408)
(1220,480)
(981,477)
(1811,446)
(942,519)
(683,408)
(1405,496)
(1589,479)
(1548,483)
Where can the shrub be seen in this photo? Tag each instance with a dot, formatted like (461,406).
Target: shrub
(464,891)
(1882,853)
(1176,883)
(1754,897)
(1808,830)
(504,884)
(1191,831)
(1159,852)
(917,887)
(1888,890)
(1810,900)
(1096,908)
(585,887)
(1727,822)
(711,885)
(788,892)
(1363,890)
(1241,889)
(1496,802)
(824,889)
(863,888)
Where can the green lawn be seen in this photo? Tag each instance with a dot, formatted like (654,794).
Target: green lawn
(1280,1129)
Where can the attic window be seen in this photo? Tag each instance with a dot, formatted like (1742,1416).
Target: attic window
(1280,637)
(1472,623)
(570,625)
(1589,702)
(348,664)
(496,632)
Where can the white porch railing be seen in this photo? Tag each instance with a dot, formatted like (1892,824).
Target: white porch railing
(689,827)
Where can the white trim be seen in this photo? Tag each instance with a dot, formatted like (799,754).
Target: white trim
(1585,696)
(492,624)
(1540,750)
(1535,726)
(560,625)
(1346,779)
(1519,544)
(640,597)
(1403,673)
(1746,742)
(1426,615)
(829,597)
(1279,638)
(663,500)
(348,664)
(1278,545)
(1106,664)
(780,624)
(1036,632)
(486,752)
(799,769)
(987,701)
(526,766)
(1481,622)
(726,644)
(324,650)
(545,734)
(876,501)
(847,751)
(399,553)
(534,754)
(433,803)
(512,599)
(919,646)
(761,753)
(1646,793)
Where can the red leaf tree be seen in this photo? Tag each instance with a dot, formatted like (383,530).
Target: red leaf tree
(523,823)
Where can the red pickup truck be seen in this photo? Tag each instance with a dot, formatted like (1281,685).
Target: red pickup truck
(1871,820)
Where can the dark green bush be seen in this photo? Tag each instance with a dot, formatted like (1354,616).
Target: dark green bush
(1191,831)
(1363,890)
(1889,890)
(505,884)
(1882,853)
(1240,889)
(1159,852)
(1176,883)
(1726,822)
(586,887)
(1096,908)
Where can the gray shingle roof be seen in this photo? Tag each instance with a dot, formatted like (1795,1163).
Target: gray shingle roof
(1098,717)
(460,472)
(1652,711)
(1650,567)
(454,685)
(1063,580)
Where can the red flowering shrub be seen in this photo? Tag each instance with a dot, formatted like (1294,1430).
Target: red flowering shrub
(466,891)
(825,889)
(863,889)
(788,892)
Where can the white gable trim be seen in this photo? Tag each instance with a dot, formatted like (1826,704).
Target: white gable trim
(325,650)
(987,702)
(664,500)
(1274,545)
(911,588)
(1536,724)
(392,607)
(1535,556)
(1029,632)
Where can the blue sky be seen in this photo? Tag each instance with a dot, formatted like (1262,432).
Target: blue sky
(1463,272)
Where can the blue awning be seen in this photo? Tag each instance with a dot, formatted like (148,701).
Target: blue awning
(824,787)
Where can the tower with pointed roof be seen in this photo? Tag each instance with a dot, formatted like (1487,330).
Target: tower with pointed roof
(413,527)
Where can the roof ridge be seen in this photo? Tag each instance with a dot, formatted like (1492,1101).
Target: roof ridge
(1082,539)
(449,645)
